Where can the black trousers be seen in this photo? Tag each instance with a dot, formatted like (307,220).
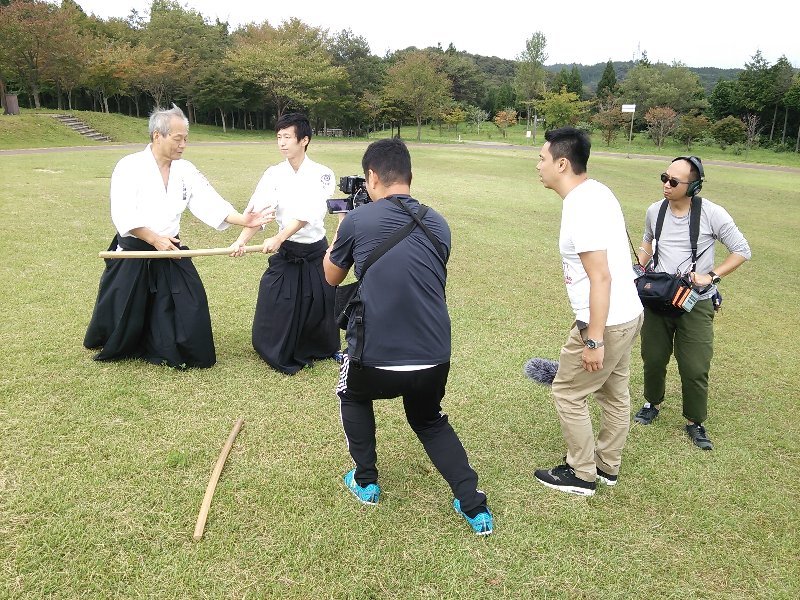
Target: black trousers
(294,322)
(155,309)
(422,392)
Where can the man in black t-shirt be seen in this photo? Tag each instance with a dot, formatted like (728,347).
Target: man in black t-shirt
(405,349)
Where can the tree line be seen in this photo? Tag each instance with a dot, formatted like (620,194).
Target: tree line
(57,56)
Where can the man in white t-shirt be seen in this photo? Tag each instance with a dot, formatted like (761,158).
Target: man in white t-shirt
(608,316)
(294,324)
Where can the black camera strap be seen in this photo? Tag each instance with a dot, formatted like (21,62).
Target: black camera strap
(390,242)
(418,218)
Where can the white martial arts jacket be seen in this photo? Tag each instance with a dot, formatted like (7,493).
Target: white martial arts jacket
(297,195)
(139,199)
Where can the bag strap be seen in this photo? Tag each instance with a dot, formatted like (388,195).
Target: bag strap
(694,228)
(662,211)
(418,218)
(390,242)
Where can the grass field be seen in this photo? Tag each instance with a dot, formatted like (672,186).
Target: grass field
(103,466)
(19,131)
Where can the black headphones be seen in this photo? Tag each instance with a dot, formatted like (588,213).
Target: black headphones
(695,186)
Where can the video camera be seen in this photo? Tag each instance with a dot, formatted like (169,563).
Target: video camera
(356,187)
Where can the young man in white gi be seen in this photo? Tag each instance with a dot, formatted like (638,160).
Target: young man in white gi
(294,323)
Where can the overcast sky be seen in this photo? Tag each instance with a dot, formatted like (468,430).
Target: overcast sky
(704,33)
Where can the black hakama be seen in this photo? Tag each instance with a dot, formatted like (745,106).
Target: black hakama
(155,309)
(294,322)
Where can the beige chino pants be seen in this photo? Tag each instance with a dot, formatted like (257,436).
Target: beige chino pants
(571,388)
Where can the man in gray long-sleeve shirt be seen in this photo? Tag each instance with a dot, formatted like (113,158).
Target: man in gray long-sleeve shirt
(690,335)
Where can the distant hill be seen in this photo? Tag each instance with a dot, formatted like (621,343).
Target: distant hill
(499,71)
(591,74)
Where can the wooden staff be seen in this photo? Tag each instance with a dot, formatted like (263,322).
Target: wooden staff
(175,253)
(212,484)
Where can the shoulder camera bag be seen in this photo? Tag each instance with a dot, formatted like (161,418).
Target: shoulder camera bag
(666,292)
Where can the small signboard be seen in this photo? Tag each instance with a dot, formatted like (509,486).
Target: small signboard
(628,108)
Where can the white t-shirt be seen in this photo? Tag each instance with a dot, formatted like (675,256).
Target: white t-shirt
(299,195)
(139,199)
(591,219)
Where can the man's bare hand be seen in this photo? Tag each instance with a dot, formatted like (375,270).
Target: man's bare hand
(237,249)
(257,219)
(166,243)
(271,245)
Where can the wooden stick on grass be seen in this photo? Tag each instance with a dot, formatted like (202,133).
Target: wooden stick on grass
(174,253)
(212,484)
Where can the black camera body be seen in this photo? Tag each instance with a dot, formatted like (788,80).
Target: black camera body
(352,183)
(356,187)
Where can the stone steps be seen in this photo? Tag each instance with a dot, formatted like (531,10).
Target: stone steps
(82,128)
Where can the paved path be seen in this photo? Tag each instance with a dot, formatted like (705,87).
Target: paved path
(494,145)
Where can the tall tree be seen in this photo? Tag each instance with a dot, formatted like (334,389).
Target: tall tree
(674,86)
(291,64)
(32,33)
(194,42)
(530,79)
(110,70)
(782,74)
(792,102)
(67,66)
(467,83)
(364,74)
(754,85)
(415,83)
(607,86)
(574,82)
(724,100)
(218,89)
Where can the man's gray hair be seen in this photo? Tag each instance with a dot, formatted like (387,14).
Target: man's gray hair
(160,119)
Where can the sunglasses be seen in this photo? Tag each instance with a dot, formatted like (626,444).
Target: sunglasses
(673,183)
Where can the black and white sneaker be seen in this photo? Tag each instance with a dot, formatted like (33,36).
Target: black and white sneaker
(604,477)
(563,478)
(646,415)
(697,433)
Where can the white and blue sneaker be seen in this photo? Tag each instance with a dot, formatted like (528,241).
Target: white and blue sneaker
(482,523)
(365,495)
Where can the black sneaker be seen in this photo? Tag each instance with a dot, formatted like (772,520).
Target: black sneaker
(563,478)
(604,477)
(646,415)
(697,433)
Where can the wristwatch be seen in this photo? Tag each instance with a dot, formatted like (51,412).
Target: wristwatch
(715,279)
(593,344)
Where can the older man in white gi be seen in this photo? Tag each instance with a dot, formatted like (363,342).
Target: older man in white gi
(157,309)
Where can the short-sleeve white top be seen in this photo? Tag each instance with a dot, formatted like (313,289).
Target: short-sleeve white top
(591,219)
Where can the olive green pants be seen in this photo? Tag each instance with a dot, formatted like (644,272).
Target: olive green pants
(691,338)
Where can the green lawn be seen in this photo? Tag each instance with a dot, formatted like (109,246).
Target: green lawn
(103,466)
(33,129)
